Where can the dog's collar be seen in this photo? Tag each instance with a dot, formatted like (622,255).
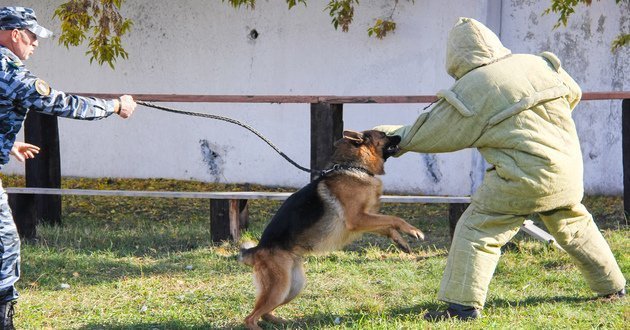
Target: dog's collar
(338,167)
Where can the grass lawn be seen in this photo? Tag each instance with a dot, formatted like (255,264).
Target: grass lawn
(148,263)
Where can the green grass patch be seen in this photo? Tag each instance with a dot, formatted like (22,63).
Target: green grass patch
(149,263)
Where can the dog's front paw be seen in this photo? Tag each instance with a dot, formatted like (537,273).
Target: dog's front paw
(404,246)
(399,240)
(417,233)
(413,232)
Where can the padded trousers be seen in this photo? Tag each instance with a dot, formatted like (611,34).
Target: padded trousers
(479,236)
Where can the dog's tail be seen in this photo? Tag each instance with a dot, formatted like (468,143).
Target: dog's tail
(246,255)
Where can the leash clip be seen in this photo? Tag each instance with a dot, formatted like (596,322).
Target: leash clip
(335,167)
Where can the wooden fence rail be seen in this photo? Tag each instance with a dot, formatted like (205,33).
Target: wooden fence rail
(330,99)
(30,206)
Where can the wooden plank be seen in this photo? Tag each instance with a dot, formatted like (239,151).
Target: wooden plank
(156,194)
(220,226)
(539,234)
(235,219)
(226,218)
(455,211)
(243,213)
(612,95)
(332,99)
(45,169)
(284,99)
(24,211)
(424,199)
(241,195)
(378,99)
(625,147)
(326,128)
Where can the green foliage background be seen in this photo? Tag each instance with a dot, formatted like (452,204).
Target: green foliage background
(100,22)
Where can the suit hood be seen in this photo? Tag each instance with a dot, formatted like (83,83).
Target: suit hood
(471,45)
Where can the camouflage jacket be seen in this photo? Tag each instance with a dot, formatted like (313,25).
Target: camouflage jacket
(21,91)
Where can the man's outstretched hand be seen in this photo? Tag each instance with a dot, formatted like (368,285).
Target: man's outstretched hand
(23,151)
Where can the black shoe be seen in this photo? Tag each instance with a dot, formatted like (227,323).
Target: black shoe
(454,311)
(7,310)
(617,295)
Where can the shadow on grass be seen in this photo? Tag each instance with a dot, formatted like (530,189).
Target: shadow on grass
(350,318)
(494,303)
(47,271)
(539,300)
(345,318)
(172,325)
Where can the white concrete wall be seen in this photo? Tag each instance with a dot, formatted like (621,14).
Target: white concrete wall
(584,48)
(202,47)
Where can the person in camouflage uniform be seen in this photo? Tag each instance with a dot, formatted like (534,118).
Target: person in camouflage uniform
(516,110)
(21,91)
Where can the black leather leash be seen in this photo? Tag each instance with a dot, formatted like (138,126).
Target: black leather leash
(236,122)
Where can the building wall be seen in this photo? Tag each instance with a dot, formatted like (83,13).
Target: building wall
(206,48)
(584,48)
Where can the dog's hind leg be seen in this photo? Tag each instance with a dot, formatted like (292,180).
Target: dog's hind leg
(272,273)
(298,280)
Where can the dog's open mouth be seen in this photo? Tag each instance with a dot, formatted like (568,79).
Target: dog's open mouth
(391,150)
(392,147)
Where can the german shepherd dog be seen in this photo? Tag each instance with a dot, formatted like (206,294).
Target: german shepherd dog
(325,215)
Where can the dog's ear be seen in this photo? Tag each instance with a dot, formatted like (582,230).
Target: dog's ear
(356,137)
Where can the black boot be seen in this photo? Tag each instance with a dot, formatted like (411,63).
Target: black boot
(614,296)
(7,310)
(454,311)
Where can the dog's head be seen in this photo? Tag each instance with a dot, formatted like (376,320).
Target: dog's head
(367,149)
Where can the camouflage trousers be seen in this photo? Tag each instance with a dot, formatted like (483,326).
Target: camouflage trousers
(479,236)
(10,250)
